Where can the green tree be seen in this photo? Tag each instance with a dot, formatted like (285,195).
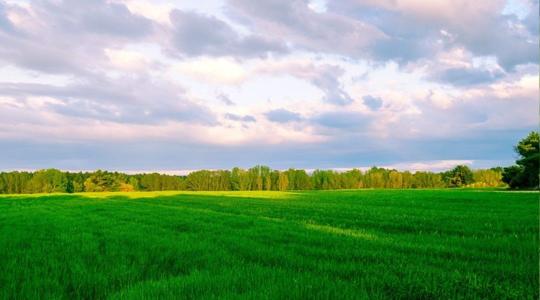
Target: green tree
(324,180)
(487,178)
(407,178)
(300,180)
(268,182)
(102,181)
(395,180)
(235,179)
(77,181)
(375,178)
(257,176)
(351,179)
(134,182)
(48,181)
(199,181)
(459,176)
(283,181)
(240,180)
(513,176)
(525,174)
(3,185)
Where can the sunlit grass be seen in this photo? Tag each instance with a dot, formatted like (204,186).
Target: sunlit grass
(152,194)
(340,231)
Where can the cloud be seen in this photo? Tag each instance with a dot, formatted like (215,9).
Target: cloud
(195,34)
(213,70)
(374,103)
(531,20)
(282,115)
(500,38)
(225,99)
(127,60)
(342,120)
(328,82)
(5,23)
(413,29)
(95,17)
(500,106)
(434,166)
(239,118)
(326,77)
(304,28)
(467,76)
(125,100)
(68,36)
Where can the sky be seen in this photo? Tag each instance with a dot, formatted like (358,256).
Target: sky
(170,86)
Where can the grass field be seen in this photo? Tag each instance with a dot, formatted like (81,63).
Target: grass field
(258,245)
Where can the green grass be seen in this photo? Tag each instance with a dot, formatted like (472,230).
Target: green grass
(267,245)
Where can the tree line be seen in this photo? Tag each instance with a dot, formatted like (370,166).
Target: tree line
(257,178)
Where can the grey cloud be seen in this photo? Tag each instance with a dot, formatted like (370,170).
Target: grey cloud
(466,76)
(341,120)
(282,115)
(325,77)
(368,30)
(466,115)
(124,100)
(328,81)
(131,114)
(404,40)
(226,100)
(409,37)
(532,19)
(196,34)
(5,23)
(498,38)
(461,116)
(69,36)
(95,17)
(374,103)
(239,118)
(48,58)
(294,22)
(403,50)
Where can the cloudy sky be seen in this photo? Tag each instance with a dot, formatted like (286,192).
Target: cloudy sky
(143,85)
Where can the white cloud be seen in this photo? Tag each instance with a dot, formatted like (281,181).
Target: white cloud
(435,166)
(126,59)
(213,70)
(155,10)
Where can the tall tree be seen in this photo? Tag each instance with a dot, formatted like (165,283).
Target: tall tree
(283,181)
(102,181)
(459,176)
(526,173)
(395,180)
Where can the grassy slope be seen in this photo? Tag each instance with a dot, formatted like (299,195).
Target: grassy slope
(346,244)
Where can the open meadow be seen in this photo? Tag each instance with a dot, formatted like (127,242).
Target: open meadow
(420,244)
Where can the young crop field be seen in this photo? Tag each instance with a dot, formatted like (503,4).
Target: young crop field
(414,244)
